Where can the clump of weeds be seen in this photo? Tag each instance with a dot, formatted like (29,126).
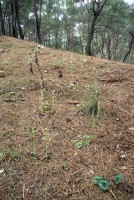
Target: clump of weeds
(50,105)
(57,64)
(92,103)
(85,140)
(104,183)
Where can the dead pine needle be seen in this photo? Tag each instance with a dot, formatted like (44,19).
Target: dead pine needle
(113,194)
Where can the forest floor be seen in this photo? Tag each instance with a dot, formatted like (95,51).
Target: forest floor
(51,146)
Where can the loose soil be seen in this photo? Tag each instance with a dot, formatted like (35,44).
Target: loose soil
(39,158)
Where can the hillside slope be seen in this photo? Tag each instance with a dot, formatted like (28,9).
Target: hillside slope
(50,144)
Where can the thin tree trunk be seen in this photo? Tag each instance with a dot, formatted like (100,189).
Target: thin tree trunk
(130,47)
(115,47)
(9,26)
(90,37)
(37,10)
(81,45)
(16,2)
(102,45)
(109,46)
(14,29)
(97,8)
(2,21)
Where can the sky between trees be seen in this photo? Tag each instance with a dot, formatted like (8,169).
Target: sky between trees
(129,1)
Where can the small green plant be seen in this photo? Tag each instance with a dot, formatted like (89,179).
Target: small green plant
(41,103)
(79,144)
(47,139)
(53,102)
(65,167)
(118,179)
(7,62)
(47,106)
(101,182)
(13,96)
(33,154)
(57,64)
(24,81)
(71,85)
(91,107)
(85,140)
(17,95)
(50,106)
(104,184)
(1,155)
(92,103)
(15,155)
(88,139)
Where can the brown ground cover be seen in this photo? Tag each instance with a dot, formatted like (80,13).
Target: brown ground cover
(60,170)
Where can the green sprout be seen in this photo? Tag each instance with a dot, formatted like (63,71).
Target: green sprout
(92,104)
(65,167)
(101,182)
(1,155)
(53,102)
(104,184)
(118,179)
(41,103)
(46,138)
(34,143)
(85,140)
(79,144)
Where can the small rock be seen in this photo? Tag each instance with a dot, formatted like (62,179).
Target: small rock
(123,156)
(84,60)
(124,168)
(118,146)
(1,171)
(91,171)
(45,71)
(117,119)
(131,129)
(22,88)
(2,50)
(2,74)
(12,93)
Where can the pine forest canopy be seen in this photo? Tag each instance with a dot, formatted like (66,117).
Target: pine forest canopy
(103,28)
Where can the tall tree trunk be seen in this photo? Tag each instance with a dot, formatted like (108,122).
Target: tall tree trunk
(108,46)
(16,2)
(14,28)
(90,36)
(56,39)
(9,20)
(115,47)
(2,21)
(37,12)
(130,47)
(97,6)
(102,45)
(81,45)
